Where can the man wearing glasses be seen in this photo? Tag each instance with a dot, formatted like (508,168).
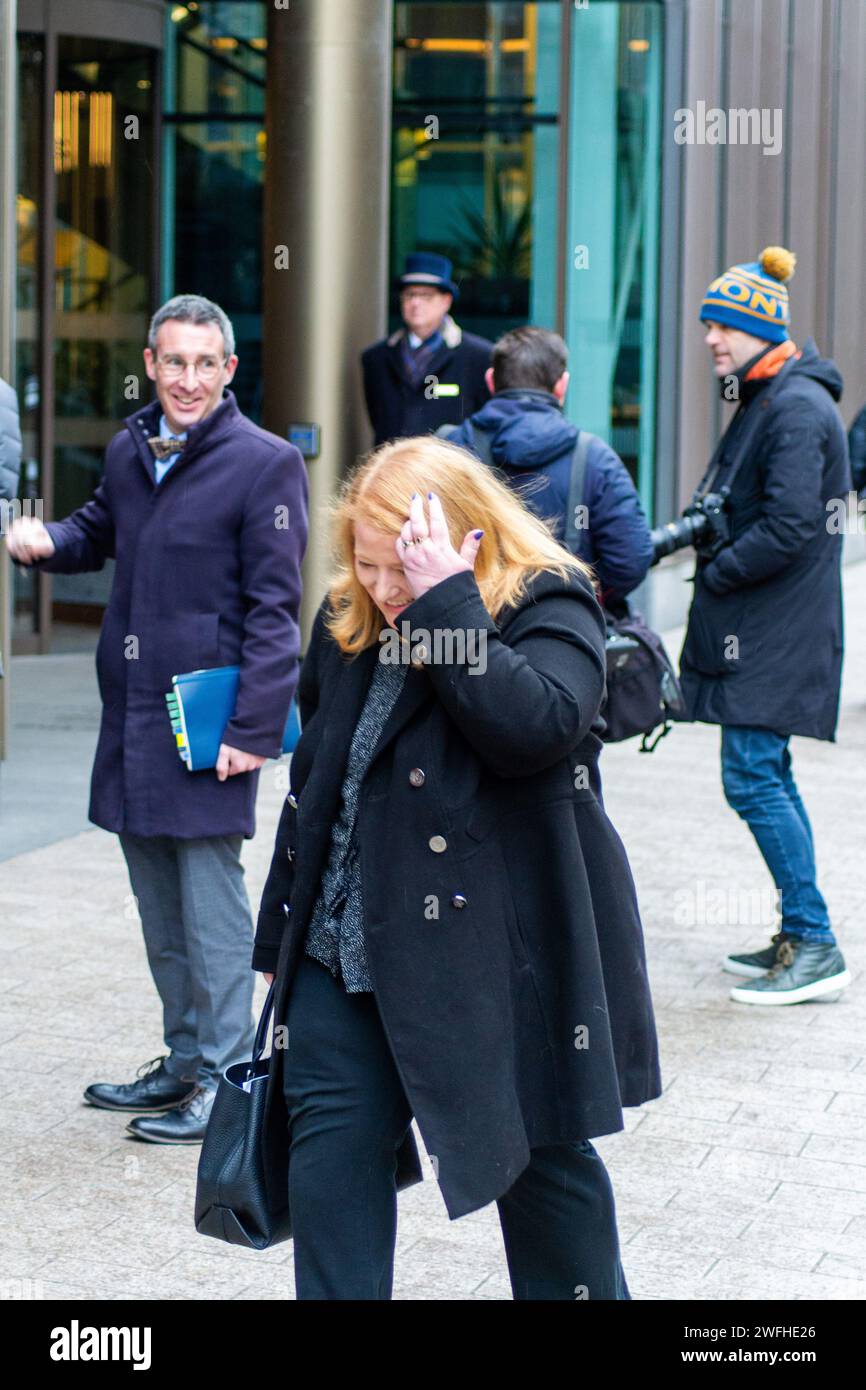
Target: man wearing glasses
(205,517)
(429,373)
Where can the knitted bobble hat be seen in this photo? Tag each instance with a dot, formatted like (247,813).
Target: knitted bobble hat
(753,297)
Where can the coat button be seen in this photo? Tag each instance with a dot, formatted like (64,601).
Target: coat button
(293,801)
(290,854)
(416,777)
(458,900)
(438,843)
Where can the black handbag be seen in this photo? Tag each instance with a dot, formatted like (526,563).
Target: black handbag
(231,1199)
(642,688)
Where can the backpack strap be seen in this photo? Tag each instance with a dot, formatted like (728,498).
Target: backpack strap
(480,441)
(575,488)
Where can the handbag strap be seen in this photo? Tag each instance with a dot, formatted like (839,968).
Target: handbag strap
(262,1029)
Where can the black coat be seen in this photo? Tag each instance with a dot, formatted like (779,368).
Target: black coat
(484,1003)
(397,408)
(857,451)
(777,589)
(204,576)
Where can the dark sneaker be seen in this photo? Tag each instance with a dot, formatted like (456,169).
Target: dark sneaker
(184,1125)
(803,971)
(753,964)
(156,1090)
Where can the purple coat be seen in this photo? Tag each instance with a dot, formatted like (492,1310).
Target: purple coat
(207,574)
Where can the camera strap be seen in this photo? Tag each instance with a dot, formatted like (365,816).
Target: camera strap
(752,424)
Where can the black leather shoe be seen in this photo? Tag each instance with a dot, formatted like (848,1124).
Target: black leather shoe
(156,1090)
(184,1125)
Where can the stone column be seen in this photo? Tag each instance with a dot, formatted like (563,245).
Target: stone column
(328,119)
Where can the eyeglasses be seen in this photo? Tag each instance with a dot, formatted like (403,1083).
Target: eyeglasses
(423,294)
(205,368)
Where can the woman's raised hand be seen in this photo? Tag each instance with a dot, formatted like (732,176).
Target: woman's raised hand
(425,550)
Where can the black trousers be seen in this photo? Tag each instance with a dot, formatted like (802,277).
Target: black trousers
(348,1114)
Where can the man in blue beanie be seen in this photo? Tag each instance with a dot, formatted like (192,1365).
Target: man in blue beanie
(429,373)
(762,655)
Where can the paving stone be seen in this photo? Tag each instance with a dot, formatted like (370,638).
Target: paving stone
(793,1198)
(713,1132)
(816,1285)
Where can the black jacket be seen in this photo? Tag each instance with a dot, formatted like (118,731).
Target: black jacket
(537,934)
(764,644)
(857,450)
(397,408)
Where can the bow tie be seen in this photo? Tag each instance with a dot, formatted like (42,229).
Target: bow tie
(164,448)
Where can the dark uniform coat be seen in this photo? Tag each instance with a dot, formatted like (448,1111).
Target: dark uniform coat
(207,574)
(777,589)
(397,407)
(501,921)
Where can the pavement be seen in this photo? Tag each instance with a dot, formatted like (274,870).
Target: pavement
(746,1179)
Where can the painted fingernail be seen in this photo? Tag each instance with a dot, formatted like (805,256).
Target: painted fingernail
(429,494)
(414,495)
(478,535)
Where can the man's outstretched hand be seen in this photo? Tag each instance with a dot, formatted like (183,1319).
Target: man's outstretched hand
(28,540)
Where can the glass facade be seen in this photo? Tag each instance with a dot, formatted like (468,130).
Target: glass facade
(525,147)
(214,157)
(546,200)
(31,59)
(614,171)
(87,232)
(476,103)
(104,257)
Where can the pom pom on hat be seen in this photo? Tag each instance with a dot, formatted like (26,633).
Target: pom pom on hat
(778,262)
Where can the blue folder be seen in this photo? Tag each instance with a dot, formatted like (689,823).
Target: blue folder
(200,705)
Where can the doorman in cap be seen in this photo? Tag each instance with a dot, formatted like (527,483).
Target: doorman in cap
(429,373)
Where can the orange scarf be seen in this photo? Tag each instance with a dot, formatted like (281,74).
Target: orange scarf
(773,362)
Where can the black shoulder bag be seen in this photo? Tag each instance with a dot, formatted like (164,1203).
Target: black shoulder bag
(231,1198)
(642,688)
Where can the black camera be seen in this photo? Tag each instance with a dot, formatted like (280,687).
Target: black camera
(704,526)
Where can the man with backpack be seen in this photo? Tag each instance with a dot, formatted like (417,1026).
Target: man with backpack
(522,432)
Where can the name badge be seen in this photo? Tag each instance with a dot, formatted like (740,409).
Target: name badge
(446,388)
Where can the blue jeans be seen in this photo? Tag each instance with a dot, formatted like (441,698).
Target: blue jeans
(756,776)
(348,1113)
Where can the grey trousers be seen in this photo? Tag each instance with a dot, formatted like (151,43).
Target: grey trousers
(198,933)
